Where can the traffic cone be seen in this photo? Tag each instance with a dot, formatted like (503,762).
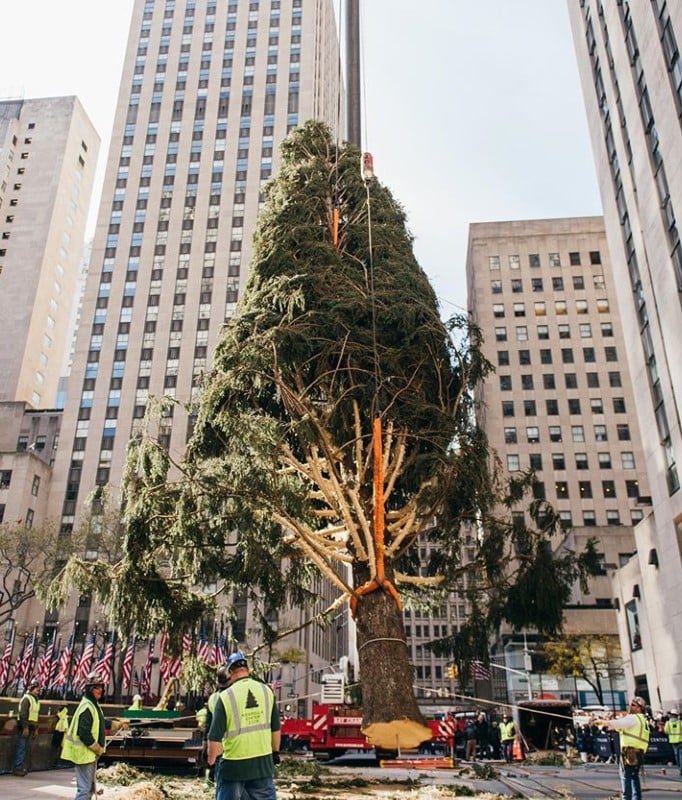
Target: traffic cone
(517,750)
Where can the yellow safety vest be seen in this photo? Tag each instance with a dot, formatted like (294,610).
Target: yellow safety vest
(33,707)
(72,747)
(640,740)
(212,700)
(62,720)
(506,731)
(673,728)
(248,711)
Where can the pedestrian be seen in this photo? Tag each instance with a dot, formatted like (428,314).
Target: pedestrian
(60,728)
(222,682)
(634,742)
(483,735)
(84,741)
(27,724)
(244,737)
(495,743)
(471,740)
(673,730)
(507,736)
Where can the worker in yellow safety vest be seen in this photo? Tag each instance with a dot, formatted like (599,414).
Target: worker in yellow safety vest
(244,737)
(136,705)
(84,741)
(27,724)
(634,742)
(507,736)
(673,730)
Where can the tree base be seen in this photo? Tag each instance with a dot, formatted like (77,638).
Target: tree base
(398,734)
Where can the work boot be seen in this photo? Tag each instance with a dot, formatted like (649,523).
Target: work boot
(19,772)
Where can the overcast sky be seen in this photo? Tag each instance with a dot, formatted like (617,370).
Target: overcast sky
(473,110)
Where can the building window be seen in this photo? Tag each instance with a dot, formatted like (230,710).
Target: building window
(527,382)
(627,460)
(548,381)
(571,380)
(604,460)
(554,260)
(561,489)
(581,461)
(521,333)
(535,462)
(533,434)
(597,405)
(507,408)
(600,434)
(514,262)
(589,356)
(633,625)
(496,287)
(534,260)
(545,356)
(615,380)
(558,284)
(577,433)
(611,354)
(552,407)
(564,331)
(540,309)
(529,408)
(555,433)
(589,519)
(567,355)
(5,478)
(35,485)
(619,405)
(494,262)
(632,489)
(585,489)
(519,309)
(524,357)
(510,436)
(560,307)
(513,462)
(536,284)
(595,257)
(574,406)
(28,522)
(558,461)
(585,330)
(613,517)
(574,259)
(602,305)
(503,358)
(501,334)
(505,383)
(543,331)
(517,285)
(608,488)
(623,433)
(579,283)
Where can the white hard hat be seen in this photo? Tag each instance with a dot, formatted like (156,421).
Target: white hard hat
(674,712)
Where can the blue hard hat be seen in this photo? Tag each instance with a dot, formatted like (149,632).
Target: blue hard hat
(236,660)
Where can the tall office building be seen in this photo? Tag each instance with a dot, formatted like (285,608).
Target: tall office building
(561,401)
(209,89)
(631,72)
(48,155)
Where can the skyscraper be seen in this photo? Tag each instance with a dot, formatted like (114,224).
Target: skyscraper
(209,89)
(561,400)
(631,73)
(48,155)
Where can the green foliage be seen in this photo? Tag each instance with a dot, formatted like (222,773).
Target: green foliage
(276,483)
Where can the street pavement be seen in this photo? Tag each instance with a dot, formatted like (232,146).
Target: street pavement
(584,782)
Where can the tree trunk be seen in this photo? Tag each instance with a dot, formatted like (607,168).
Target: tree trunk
(392,718)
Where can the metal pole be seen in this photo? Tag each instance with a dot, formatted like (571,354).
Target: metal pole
(353,102)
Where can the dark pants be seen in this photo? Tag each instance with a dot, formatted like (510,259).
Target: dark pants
(630,787)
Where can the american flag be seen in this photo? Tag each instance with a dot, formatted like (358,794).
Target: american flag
(479,671)
(22,669)
(64,663)
(186,643)
(44,668)
(171,666)
(105,664)
(203,648)
(5,662)
(128,663)
(146,686)
(277,683)
(85,661)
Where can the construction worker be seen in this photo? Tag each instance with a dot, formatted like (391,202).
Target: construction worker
(136,705)
(27,724)
(244,737)
(60,728)
(84,741)
(222,682)
(673,730)
(507,737)
(634,742)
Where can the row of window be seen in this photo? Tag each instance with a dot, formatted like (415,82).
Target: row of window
(560,463)
(27,521)
(560,307)
(535,261)
(530,409)
(549,381)
(538,284)
(555,434)
(547,355)
(587,517)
